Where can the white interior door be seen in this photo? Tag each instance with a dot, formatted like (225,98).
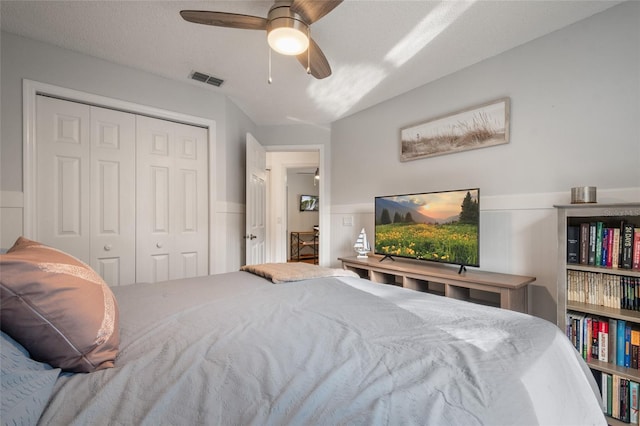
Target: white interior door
(256,200)
(63,176)
(85,198)
(81,193)
(172,201)
(113,226)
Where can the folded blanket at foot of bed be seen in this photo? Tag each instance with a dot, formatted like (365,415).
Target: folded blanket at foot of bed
(288,272)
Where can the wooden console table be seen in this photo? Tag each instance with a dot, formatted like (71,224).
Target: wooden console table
(444,280)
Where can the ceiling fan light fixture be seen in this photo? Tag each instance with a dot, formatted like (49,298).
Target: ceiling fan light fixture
(288,36)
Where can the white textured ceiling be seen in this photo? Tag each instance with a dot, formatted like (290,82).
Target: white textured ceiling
(377,49)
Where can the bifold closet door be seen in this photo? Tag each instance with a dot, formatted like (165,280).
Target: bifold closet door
(85,196)
(172,200)
(113,203)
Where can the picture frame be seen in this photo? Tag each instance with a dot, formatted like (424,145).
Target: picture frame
(476,127)
(309,203)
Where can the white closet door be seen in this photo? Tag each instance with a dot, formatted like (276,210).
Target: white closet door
(171,209)
(85,189)
(63,176)
(113,226)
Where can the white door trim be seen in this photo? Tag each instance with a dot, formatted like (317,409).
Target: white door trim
(30,89)
(323,193)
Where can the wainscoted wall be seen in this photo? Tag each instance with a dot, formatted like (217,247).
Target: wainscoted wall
(11,203)
(575,103)
(27,59)
(518,235)
(228,252)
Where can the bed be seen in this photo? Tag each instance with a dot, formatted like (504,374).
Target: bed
(238,349)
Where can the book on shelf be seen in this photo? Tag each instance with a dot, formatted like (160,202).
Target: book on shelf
(608,262)
(620,339)
(605,254)
(609,394)
(626,235)
(620,396)
(636,249)
(599,227)
(607,340)
(615,398)
(603,340)
(604,245)
(634,389)
(635,346)
(573,244)
(604,381)
(604,289)
(627,346)
(615,255)
(624,400)
(583,249)
(613,325)
(592,243)
(591,348)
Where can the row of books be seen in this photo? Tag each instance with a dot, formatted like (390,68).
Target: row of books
(611,291)
(619,396)
(608,340)
(597,244)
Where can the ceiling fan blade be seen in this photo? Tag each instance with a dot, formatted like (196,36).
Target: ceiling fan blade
(223,19)
(318,64)
(312,10)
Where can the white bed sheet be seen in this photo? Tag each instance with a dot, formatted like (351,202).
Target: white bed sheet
(236,349)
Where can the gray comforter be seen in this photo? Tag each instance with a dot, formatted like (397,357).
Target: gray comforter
(235,349)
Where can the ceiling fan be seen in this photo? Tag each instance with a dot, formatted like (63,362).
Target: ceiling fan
(288,27)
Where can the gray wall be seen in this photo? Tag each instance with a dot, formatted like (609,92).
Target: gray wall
(575,110)
(297,134)
(23,58)
(27,59)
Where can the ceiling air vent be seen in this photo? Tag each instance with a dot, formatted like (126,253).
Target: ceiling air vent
(205,78)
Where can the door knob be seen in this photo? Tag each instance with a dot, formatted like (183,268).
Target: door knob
(107,247)
(250,237)
(159,245)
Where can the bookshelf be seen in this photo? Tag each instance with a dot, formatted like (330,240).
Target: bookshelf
(600,288)
(508,291)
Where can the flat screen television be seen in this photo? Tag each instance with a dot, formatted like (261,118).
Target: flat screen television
(435,226)
(309,203)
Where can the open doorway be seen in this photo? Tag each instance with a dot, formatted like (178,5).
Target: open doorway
(292,175)
(303,214)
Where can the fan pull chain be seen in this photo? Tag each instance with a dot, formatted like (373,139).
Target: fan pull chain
(309,50)
(269,80)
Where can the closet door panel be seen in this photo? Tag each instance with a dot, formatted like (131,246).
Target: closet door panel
(126,194)
(172,201)
(159,267)
(160,192)
(67,193)
(109,269)
(191,220)
(153,170)
(113,195)
(63,176)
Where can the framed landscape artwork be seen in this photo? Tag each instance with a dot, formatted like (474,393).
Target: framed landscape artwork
(476,127)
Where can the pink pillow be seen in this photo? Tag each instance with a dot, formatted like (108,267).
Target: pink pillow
(58,308)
